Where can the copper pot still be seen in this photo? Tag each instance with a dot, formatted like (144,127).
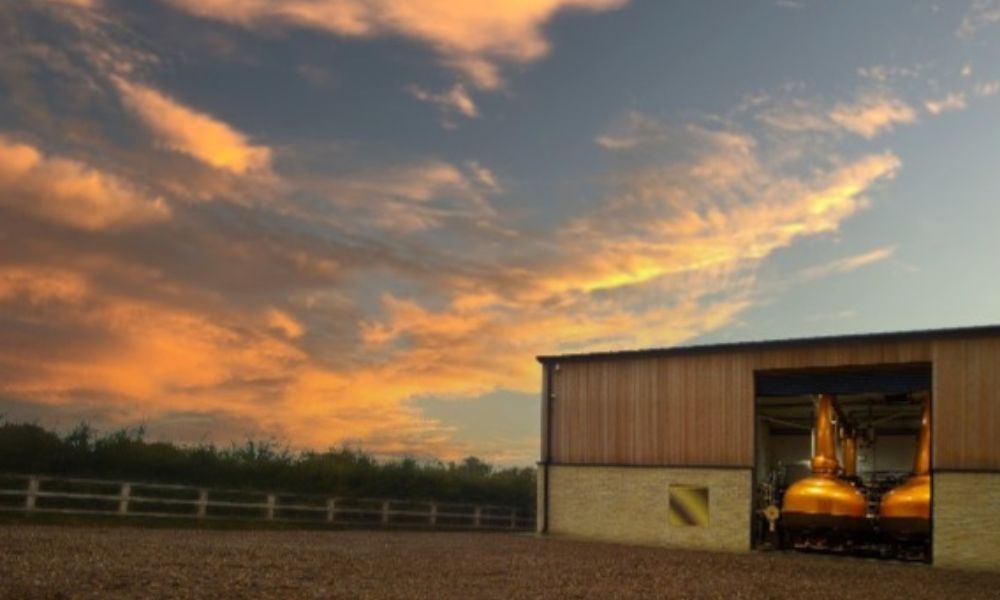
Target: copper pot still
(906,509)
(823,500)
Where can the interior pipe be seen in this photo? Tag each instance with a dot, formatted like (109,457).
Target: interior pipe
(786,423)
(891,417)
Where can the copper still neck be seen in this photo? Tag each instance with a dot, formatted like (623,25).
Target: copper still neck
(922,460)
(825,459)
(850,446)
(912,500)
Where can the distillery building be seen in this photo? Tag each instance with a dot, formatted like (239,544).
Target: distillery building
(882,445)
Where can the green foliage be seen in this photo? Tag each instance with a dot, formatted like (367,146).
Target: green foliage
(126,454)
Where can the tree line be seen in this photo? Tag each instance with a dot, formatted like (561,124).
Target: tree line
(268,465)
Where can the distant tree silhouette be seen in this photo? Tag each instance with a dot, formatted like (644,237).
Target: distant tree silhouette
(125,454)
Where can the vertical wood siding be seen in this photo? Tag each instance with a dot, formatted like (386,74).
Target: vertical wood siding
(966,415)
(697,409)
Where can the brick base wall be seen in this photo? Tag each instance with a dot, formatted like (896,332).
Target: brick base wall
(540,498)
(631,505)
(967,521)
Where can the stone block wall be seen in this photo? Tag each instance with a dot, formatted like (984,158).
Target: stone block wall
(632,505)
(966,520)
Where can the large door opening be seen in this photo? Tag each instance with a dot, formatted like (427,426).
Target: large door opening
(842,461)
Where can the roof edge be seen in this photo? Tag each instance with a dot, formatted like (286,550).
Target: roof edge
(976,330)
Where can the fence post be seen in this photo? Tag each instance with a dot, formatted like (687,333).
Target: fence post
(513,518)
(29,500)
(123,497)
(202,503)
(270,507)
(385,512)
(477,517)
(331,509)
(433,518)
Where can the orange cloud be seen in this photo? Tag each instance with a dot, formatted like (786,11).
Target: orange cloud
(696,215)
(84,4)
(196,134)
(70,192)
(151,359)
(146,349)
(284,323)
(471,37)
(873,111)
(872,114)
(40,286)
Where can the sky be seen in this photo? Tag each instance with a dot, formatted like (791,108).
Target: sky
(357,222)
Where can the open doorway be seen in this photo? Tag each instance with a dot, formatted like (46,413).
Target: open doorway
(857,482)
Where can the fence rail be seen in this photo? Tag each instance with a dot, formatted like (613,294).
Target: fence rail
(41,494)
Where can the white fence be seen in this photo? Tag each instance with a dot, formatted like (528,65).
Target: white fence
(39,494)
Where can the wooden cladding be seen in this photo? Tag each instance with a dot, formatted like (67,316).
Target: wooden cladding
(698,409)
(685,410)
(966,405)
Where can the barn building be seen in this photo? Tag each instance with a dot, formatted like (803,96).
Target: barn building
(716,446)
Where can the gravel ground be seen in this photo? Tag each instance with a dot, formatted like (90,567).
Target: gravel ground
(125,562)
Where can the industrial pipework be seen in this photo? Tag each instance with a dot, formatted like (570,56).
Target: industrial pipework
(849,445)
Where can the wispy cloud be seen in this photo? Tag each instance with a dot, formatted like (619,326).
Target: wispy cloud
(985,89)
(890,73)
(471,37)
(982,14)
(633,129)
(950,102)
(188,131)
(832,316)
(71,3)
(451,102)
(316,75)
(872,114)
(722,207)
(416,197)
(848,264)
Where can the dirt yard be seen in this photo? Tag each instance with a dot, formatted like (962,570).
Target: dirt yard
(122,562)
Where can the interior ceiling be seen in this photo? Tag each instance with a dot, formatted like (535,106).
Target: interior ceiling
(889,380)
(889,415)
(885,397)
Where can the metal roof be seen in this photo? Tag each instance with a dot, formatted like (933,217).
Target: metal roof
(979,330)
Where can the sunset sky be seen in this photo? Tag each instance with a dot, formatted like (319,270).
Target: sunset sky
(358,221)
